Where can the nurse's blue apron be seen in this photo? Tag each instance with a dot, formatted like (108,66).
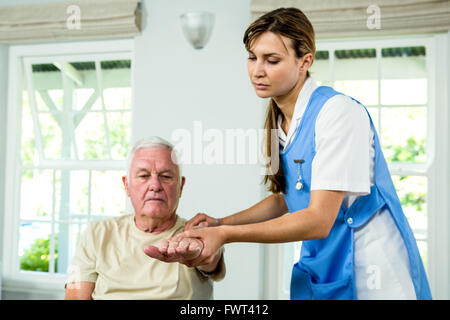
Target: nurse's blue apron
(325,269)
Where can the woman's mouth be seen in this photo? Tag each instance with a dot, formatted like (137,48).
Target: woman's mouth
(261,86)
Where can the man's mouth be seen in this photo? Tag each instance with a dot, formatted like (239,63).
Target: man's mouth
(154,199)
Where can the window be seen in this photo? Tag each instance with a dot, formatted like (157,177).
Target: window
(73,118)
(394,79)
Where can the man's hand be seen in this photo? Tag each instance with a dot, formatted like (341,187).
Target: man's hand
(201,220)
(177,249)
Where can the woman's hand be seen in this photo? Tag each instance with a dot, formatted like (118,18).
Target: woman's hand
(213,238)
(201,220)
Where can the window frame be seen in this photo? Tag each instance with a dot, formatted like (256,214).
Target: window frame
(14,279)
(437,165)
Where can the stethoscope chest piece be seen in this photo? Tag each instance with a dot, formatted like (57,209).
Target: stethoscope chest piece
(299,184)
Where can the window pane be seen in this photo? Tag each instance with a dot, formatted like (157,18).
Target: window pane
(119,133)
(404,92)
(403,134)
(52,137)
(117,98)
(83,76)
(34,246)
(36,201)
(90,137)
(365,91)
(116,79)
(404,76)
(71,195)
(108,194)
(79,190)
(412,191)
(374,114)
(355,74)
(48,86)
(67,236)
(320,69)
(84,98)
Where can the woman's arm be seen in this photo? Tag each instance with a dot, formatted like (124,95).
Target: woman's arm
(314,222)
(269,208)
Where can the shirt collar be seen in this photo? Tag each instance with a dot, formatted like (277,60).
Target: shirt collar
(303,98)
(300,105)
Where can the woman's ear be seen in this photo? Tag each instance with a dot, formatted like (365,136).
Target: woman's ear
(306,62)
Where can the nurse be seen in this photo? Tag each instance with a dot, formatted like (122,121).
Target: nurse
(333,180)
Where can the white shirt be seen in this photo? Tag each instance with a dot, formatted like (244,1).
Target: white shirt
(344,161)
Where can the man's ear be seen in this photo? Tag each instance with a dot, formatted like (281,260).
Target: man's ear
(125,184)
(183,181)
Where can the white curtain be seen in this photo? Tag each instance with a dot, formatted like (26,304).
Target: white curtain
(341,18)
(70,20)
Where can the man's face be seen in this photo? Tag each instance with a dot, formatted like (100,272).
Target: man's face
(154,187)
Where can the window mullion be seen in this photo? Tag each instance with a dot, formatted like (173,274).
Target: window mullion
(68,103)
(89,194)
(100,88)
(34,112)
(379,75)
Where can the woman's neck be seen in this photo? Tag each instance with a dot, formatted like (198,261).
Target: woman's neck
(287,102)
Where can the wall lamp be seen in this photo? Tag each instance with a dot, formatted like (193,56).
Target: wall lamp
(197,27)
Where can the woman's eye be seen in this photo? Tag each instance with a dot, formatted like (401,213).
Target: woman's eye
(273,61)
(251,58)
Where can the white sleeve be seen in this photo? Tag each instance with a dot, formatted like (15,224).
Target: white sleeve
(342,160)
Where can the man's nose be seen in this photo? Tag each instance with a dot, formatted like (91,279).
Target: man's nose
(154,184)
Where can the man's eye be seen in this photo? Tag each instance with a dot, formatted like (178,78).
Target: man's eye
(251,58)
(166,177)
(144,176)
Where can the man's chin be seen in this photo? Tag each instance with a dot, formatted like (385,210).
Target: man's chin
(155,212)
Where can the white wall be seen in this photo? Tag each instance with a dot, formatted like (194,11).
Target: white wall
(176,85)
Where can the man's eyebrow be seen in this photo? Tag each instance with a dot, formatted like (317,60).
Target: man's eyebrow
(167,171)
(159,172)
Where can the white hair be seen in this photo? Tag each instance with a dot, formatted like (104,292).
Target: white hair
(152,142)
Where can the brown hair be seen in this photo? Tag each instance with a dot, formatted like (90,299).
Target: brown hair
(293,24)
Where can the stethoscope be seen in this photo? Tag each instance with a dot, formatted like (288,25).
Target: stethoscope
(299,184)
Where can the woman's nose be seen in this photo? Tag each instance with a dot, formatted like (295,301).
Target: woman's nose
(258,70)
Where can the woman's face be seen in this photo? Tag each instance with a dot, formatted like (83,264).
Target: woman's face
(273,66)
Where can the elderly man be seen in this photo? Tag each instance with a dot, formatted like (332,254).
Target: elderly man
(124,257)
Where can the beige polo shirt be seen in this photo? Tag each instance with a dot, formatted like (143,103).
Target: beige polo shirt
(110,253)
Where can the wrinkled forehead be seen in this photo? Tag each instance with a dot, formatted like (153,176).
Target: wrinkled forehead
(154,158)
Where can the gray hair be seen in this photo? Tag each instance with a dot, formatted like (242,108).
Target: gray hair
(152,142)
